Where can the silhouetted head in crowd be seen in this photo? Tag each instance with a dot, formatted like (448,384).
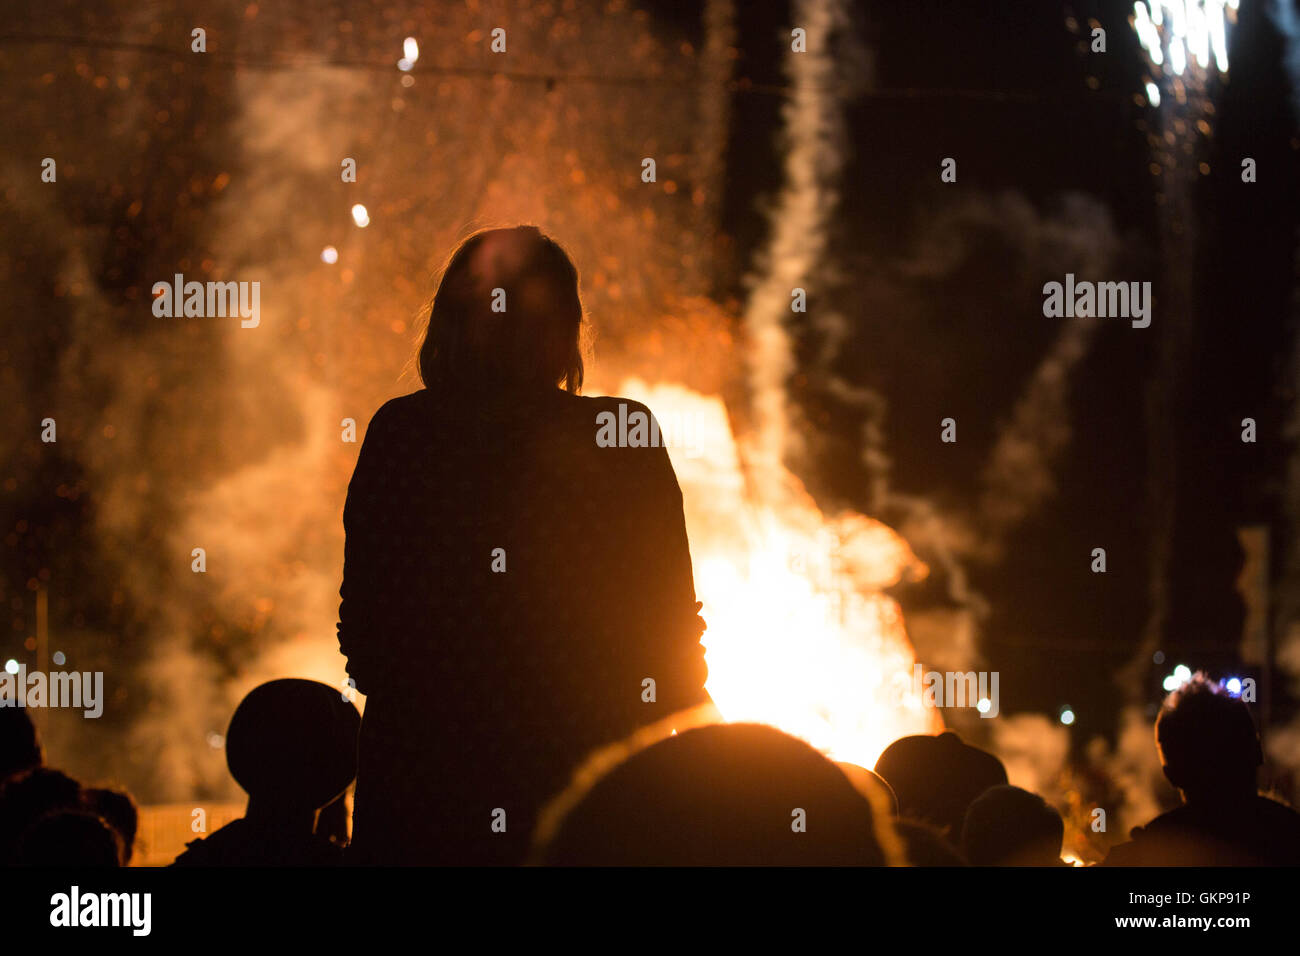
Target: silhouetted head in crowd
(1210,751)
(1208,743)
(936,778)
(69,838)
(28,796)
(923,845)
(292,746)
(734,794)
(1007,826)
(20,748)
(506,316)
(119,811)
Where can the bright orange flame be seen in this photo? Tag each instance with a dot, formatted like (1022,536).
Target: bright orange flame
(800,634)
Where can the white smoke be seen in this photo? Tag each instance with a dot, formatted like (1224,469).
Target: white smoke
(798,246)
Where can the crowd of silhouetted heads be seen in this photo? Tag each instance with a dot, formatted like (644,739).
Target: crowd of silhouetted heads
(721,794)
(49,819)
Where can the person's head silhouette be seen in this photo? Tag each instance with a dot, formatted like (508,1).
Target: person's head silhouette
(73,838)
(734,794)
(507,316)
(1208,745)
(28,796)
(292,746)
(1008,826)
(20,748)
(936,778)
(119,811)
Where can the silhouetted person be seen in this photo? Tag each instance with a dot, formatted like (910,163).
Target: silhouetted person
(69,838)
(118,810)
(1210,751)
(936,778)
(292,746)
(1008,826)
(509,584)
(728,795)
(26,797)
(20,748)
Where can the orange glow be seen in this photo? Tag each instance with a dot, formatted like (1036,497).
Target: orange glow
(800,634)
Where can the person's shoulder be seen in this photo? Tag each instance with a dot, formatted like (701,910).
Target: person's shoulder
(1273,805)
(403,406)
(212,849)
(630,425)
(1123,854)
(607,403)
(624,414)
(1180,817)
(398,415)
(1137,850)
(1276,813)
(1141,839)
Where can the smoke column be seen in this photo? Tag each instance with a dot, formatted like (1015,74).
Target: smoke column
(814,160)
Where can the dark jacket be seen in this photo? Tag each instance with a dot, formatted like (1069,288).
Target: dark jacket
(485,688)
(1255,831)
(247,843)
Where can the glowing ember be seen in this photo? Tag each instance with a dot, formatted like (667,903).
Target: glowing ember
(800,634)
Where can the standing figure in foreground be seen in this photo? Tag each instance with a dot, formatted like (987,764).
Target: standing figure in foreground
(510,588)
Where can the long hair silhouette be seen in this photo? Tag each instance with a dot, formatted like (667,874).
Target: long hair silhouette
(514,595)
(507,314)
